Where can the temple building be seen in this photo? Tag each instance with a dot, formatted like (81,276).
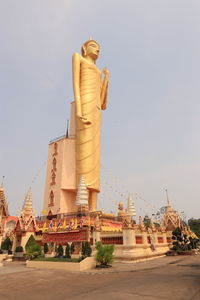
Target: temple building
(171,219)
(72,184)
(3,213)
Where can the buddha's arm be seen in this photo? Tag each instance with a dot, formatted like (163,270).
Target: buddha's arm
(76,82)
(76,65)
(104,89)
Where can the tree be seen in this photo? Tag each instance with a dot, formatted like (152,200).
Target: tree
(104,254)
(6,244)
(67,251)
(31,242)
(19,249)
(181,242)
(195,226)
(46,248)
(60,250)
(33,250)
(147,221)
(72,248)
(86,249)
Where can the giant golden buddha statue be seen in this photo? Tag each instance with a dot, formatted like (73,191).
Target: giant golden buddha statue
(90,94)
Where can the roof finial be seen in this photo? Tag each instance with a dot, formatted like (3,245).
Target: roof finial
(90,38)
(168,202)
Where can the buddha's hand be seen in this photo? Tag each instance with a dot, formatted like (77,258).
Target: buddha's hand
(105,71)
(84,120)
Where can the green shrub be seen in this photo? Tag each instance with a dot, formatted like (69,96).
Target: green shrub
(86,249)
(19,249)
(6,244)
(46,248)
(67,251)
(31,242)
(60,250)
(195,226)
(72,248)
(177,232)
(104,254)
(33,250)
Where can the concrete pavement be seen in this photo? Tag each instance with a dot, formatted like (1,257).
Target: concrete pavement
(175,278)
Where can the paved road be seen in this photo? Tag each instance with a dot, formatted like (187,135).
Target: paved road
(174,278)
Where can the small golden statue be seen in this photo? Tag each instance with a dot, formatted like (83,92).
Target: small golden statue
(120,209)
(90,94)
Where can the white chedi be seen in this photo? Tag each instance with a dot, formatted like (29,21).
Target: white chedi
(82,193)
(130,211)
(28,206)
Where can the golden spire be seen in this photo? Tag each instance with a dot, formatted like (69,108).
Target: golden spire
(169,208)
(3,204)
(27,208)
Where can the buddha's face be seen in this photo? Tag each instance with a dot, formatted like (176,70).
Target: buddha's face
(92,50)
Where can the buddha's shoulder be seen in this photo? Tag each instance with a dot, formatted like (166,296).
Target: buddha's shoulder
(76,56)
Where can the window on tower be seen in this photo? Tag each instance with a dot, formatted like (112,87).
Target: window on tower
(51,199)
(54,164)
(55,149)
(53,178)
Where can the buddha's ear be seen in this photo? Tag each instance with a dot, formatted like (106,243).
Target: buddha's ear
(83,50)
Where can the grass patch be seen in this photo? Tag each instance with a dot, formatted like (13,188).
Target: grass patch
(57,259)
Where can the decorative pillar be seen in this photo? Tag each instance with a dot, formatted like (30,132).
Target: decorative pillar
(154,232)
(128,232)
(14,244)
(145,238)
(142,227)
(164,238)
(164,234)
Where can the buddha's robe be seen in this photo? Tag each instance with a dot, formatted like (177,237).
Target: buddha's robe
(88,136)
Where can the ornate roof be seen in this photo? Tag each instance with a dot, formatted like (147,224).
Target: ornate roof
(27,217)
(3,204)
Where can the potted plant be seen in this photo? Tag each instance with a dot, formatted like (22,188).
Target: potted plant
(104,255)
(6,245)
(19,251)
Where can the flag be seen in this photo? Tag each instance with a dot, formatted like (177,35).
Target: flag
(81,223)
(58,225)
(43,212)
(64,225)
(51,224)
(75,223)
(70,225)
(44,227)
(89,221)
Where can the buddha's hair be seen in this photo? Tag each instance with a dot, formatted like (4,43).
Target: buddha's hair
(85,46)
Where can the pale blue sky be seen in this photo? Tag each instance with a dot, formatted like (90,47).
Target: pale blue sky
(150,131)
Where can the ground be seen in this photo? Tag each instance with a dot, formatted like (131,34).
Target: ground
(163,278)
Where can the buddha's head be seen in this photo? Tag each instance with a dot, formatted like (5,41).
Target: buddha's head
(90,48)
